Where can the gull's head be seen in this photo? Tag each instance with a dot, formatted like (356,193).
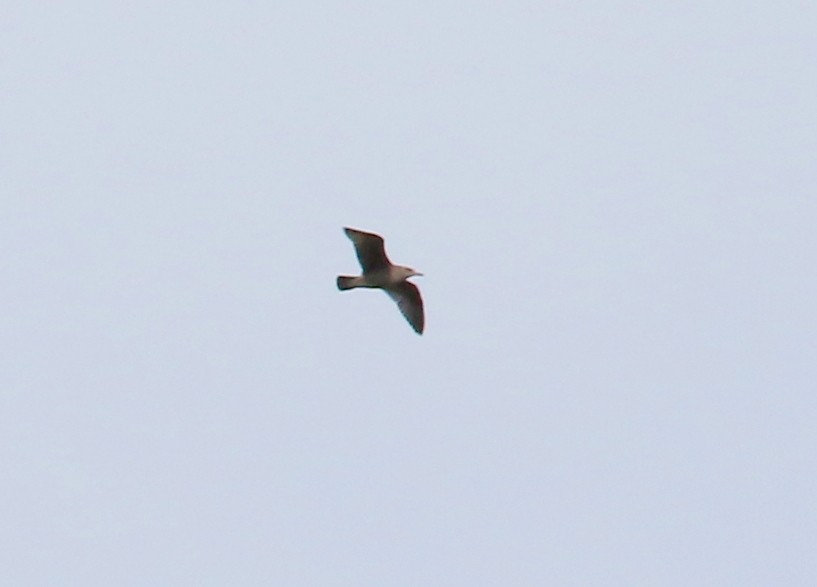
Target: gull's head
(406,272)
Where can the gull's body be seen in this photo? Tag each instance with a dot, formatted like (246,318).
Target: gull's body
(380,273)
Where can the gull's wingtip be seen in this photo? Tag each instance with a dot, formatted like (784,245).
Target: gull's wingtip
(350,232)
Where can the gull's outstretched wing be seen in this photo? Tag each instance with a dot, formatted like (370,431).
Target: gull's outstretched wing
(370,250)
(410,303)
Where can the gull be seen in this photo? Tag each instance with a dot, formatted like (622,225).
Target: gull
(379,273)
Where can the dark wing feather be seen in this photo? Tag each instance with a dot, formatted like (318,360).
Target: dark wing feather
(369,248)
(410,303)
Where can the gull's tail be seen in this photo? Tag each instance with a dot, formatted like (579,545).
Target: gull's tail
(346,282)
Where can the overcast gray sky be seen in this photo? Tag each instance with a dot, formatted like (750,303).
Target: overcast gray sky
(614,207)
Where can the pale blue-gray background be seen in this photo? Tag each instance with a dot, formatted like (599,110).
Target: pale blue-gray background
(614,206)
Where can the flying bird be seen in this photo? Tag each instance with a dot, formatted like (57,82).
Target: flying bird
(379,273)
